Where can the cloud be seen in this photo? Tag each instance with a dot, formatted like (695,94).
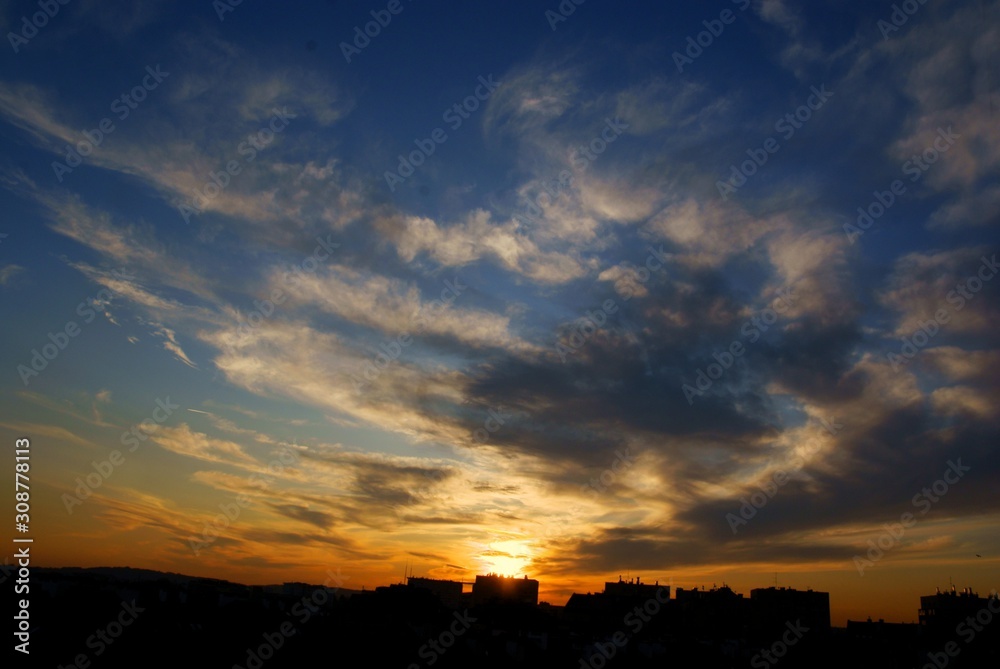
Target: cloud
(8,272)
(171,345)
(947,68)
(395,308)
(961,400)
(223,94)
(537,238)
(52,431)
(529,98)
(957,364)
(709,233)
(182,440)
(922,284)
(478,237)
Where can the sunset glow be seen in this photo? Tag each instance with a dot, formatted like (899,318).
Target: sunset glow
(497,292)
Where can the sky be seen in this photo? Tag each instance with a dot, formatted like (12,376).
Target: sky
(696,292)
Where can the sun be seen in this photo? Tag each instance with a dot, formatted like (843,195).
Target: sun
(507,558)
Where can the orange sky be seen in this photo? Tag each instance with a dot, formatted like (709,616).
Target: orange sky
(99,534)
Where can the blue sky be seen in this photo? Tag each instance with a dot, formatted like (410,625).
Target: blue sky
(632,231)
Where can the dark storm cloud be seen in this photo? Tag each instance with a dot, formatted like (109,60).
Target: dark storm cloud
(872,477)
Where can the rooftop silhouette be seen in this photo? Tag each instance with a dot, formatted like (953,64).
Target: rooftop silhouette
(498,622)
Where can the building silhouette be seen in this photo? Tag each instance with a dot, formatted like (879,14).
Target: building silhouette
(776,606)
(943,614)
(411,624)
(635,588)
(493,588)
(888,645)
(448,592)
(716,614)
